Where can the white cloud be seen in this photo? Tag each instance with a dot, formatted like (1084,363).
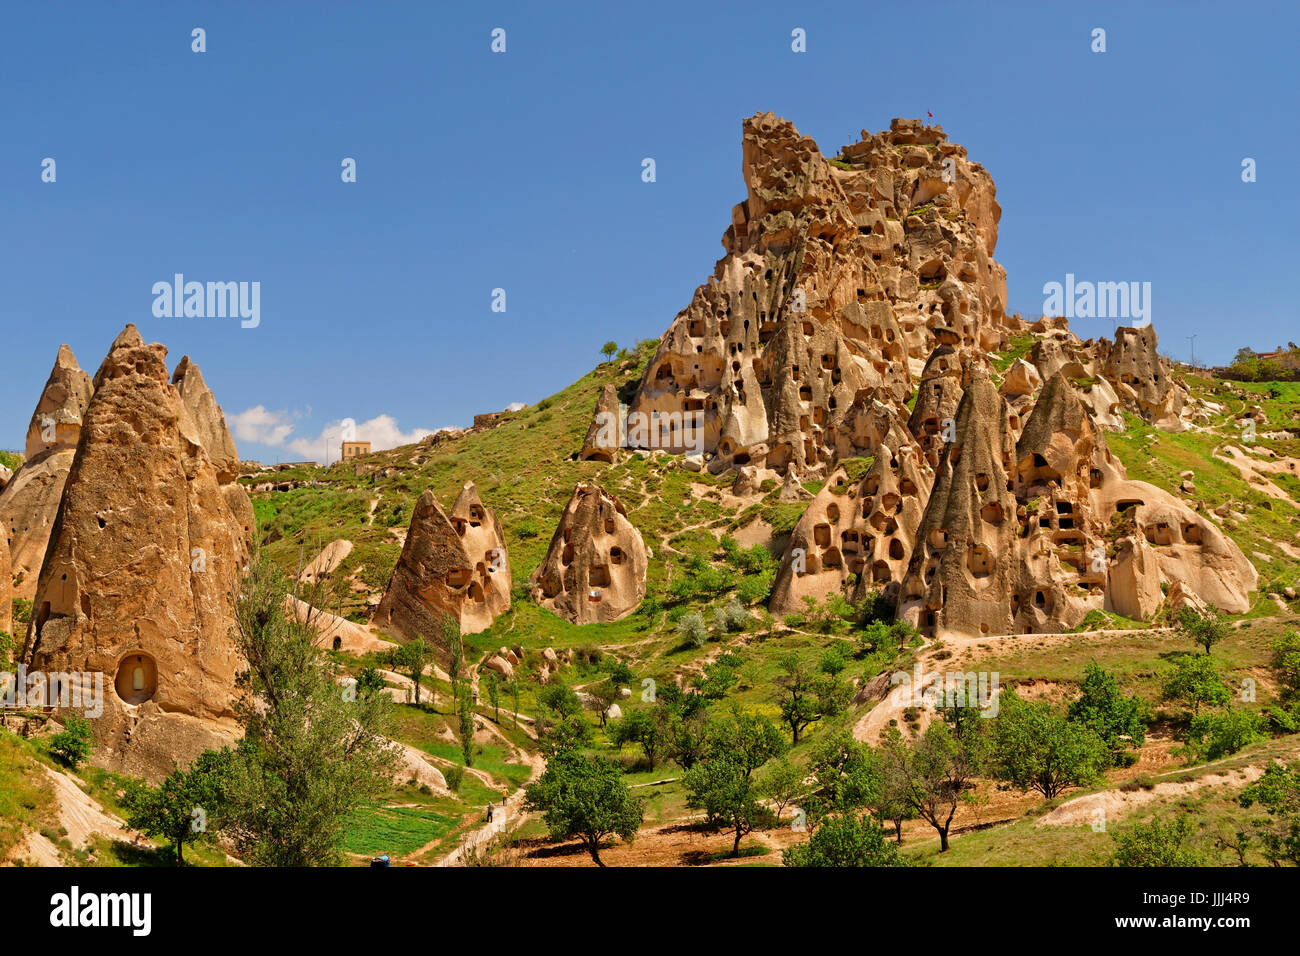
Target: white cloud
(256,424)
(276,429)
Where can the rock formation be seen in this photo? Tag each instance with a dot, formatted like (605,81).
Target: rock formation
(963,572)
(605,436)
(324,564)
(203,423)
(30,499)
(856,536)
(139,581)
(451,565)
(1142,378)
(6,589)
(837,276)
(595,567)
(1029,540)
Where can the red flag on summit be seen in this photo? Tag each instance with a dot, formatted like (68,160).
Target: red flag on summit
(929,114)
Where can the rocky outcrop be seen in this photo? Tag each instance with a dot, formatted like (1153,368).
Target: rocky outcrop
(963,572)
(139,581)
(30,499)
(835,279)
(856,536)
(325,563)
(595,567)
(56,422)
(6,588)
(1142,378)
(605,435)
(1028,540)
(203,423)
(452,565)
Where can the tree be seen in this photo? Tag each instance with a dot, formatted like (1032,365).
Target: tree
(1035,747)
(805,698)
(605,693)
(514,697)
(1214,735)
(494,695)
(414,657)
(560,722)
(1206,627)
(933,774)
(587,798)
(687,737)
(1278,793)
(720,786)
(781,782)
(892,801)
(749,740)
(186,806)
(647,726)
(72,745)
(311,755)
(1118,720)
(1156,844)
(694,632)
(455,648)
(1286,663)
(609,350)
(845,775)
(465,729)
(369,681)
(1195,681)
(848,840)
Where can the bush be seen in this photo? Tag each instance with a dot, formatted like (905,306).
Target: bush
(1156,844)
(454,776)
(72,745)
(849,840)
(1216,735)
(693,630)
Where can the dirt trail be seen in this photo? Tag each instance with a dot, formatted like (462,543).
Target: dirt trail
(1113,804)
(504,817)
(81,816)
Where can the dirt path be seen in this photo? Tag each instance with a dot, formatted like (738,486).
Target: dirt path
(83,819)
(504,817)
(1113,804)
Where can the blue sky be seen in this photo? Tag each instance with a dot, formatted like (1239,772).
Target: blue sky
(522,171)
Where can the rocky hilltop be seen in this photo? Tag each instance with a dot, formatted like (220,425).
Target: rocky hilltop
(857,314)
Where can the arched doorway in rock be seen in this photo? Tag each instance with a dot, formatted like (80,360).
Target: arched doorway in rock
(137,678)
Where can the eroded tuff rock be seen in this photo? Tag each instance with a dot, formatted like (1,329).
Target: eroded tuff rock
(605,436)
(857,536)
(595,567)
(835,281)
(6,588)
(1142,377)
(30,499)
(203,423)
(139,580)
(1027,538)
(325,563)
(451,565)
(56,422)
(961,575)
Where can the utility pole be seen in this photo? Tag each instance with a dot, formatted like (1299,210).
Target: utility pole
(1192,339)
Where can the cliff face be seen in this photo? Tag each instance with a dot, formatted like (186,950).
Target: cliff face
(840,278)
(139,580)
